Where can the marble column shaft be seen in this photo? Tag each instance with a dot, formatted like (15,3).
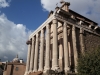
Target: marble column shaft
(55,46)
(36,53)
(28,58)
(47,57)
(61,55)
(32,55)
(82,40)
(74,47)
(66,52)
(41,51)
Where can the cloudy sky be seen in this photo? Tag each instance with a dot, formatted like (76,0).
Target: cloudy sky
(19,18)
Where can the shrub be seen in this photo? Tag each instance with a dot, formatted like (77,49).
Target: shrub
(89,63)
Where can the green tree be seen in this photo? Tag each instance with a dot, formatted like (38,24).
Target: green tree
(89,63)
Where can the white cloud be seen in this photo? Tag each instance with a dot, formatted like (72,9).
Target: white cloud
(13,39)
(4,3)
(87,8)
(5,57)
(49,4)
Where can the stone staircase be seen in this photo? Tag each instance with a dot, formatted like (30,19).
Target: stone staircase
(49,73)
(36,73)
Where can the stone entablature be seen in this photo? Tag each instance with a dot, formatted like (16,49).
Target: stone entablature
(80,24)
(42,26)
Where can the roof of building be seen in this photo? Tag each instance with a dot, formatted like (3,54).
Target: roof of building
(10,63)
(73,12)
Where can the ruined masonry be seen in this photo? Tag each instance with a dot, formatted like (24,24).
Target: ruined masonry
(54,47)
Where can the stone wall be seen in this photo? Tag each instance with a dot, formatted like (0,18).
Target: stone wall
(18,70)
(78,41)
(91,41)
(14,69)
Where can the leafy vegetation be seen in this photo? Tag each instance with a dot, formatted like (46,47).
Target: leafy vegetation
(89,63)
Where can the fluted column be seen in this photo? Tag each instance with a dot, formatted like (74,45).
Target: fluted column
(36,54)
(66,52)
(82,40)
(47,57)
(55,50)
(74,47)
(61,54)
(41,51)
(32,55)
(28,59)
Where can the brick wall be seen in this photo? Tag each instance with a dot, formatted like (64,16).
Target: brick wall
(18,70)
(91,41)
(78,41)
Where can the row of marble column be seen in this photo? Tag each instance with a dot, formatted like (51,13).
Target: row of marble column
(33,52)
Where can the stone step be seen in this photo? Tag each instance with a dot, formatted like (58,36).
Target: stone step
(36,73)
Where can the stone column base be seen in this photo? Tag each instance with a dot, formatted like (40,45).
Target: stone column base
(40,69)
(52,72)
(26,73)
(30,71)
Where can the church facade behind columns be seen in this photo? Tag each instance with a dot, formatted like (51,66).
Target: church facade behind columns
(57,43)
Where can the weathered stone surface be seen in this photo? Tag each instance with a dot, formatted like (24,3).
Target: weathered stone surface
(91,41)
(62,43)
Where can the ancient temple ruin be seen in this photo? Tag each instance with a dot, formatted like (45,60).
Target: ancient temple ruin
(57,43)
